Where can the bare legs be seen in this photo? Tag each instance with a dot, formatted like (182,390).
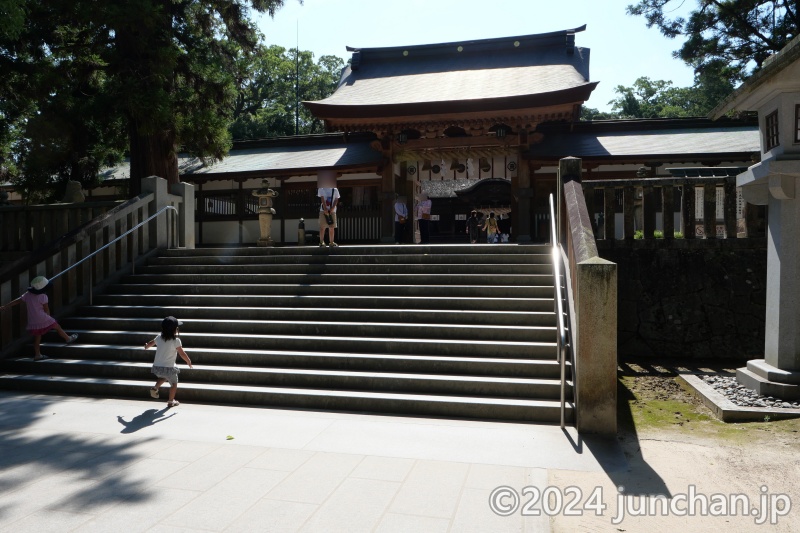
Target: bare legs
(172,388)
(37,343)
(61,333)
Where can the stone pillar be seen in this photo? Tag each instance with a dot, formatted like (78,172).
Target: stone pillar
(158,228)
(774,183)
(594,323)
(185,214)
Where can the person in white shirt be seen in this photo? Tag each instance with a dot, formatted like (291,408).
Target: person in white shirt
(168,348)
(328,199)
(400,219)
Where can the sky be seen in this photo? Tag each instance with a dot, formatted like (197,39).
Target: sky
(622,47)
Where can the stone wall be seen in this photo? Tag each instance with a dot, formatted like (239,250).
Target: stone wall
(692,299)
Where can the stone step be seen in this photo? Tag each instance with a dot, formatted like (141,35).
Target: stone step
(261,275)
(370,249)
(470,272)
(463,331)
(343,380)
(187,284)
(396,316)
(335,344)
(323,329)
(495,366)
(508,409)
(178,298)
(533,261)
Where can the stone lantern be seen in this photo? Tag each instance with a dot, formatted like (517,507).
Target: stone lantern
(265,212)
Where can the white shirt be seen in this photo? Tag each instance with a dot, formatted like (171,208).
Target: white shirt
(326,193)
(166,351)
(424,208)
(400,210)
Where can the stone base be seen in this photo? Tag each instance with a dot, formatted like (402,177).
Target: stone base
(768,380)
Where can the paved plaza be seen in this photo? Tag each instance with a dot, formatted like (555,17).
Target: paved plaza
(93,464)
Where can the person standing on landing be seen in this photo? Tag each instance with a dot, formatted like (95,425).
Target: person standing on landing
(168,347)
(329,199)
(472,227)
(424,218)
(492,229)
(39,319)
(400,219)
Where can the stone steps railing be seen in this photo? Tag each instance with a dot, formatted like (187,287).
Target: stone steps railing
(75,287)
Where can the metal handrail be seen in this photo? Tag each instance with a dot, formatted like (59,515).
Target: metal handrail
(559,308)
(91,255)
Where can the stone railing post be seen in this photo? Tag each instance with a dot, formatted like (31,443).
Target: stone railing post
(185,214)
(594,284)
(158,229)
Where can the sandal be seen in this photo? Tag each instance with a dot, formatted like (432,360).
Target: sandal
(154,393)
(41,358)
(173,403)
(72,338)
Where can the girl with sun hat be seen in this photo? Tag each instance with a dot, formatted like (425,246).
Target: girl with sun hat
(39,319)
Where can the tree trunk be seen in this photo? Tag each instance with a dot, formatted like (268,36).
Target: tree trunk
(152,155)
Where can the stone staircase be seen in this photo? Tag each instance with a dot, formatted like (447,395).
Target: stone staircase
(449,331)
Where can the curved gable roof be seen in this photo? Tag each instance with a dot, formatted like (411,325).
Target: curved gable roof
(504,73)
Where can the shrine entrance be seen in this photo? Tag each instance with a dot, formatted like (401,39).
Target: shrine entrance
(453,201)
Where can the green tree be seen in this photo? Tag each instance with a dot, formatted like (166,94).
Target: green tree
(724,37)
(269,92)
(659,99)
(80,75)
(591,113)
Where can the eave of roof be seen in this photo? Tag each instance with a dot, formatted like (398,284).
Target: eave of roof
(492,74)
(577,94)
(666,140)
(287,156)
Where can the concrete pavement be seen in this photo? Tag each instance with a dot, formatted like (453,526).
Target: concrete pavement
(94,464)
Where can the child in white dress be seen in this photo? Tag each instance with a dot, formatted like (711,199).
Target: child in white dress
(168,347)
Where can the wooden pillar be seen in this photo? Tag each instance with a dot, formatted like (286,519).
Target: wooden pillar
(730,208)
(522,192)
(648,211)
(687,208)
(387,201)
(710,210)
(405,187)
(668,211)
(610,212)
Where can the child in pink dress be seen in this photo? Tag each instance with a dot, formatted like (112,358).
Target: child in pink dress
(39,319)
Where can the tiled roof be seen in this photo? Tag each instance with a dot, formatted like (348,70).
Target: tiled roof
(658,142)
(285,158)
(282,159)
(467,71)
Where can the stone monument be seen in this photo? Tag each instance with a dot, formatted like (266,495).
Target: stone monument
(265,212)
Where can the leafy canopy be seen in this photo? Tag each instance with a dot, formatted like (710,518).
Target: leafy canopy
(274,82)
(729,37)
(85,81)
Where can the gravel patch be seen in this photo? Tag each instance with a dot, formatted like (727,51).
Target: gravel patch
(744,397)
